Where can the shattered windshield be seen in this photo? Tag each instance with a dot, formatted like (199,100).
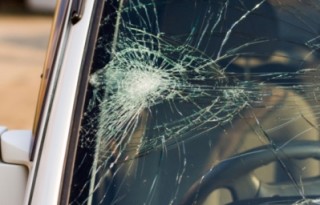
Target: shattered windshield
(202,102)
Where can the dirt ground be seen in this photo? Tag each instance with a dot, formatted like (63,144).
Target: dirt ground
(23,44)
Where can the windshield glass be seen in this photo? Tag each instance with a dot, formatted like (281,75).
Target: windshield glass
(202,102)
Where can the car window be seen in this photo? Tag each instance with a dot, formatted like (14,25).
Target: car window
(202,102)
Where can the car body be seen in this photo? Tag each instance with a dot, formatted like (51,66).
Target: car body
(176,102)
(43,6)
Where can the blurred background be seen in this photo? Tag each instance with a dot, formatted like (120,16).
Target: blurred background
(24,35)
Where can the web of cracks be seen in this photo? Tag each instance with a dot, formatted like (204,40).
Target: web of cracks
(152,77)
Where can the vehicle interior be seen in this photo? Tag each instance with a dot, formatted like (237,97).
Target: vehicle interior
(202,102)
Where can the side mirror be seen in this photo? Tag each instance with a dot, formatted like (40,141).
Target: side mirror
(16,147)
(2,130)
(14,165)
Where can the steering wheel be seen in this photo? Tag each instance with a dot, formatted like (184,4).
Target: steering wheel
(235,174)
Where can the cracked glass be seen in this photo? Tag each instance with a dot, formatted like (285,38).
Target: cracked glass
(202,102)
